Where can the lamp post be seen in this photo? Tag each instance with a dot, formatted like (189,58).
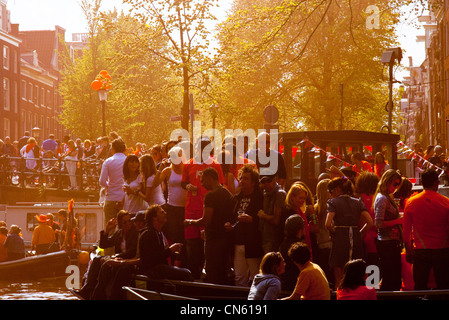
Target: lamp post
(388,58)
(102,84)
(103,96)
(36,132)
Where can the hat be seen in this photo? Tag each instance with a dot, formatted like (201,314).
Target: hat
(139,217)
(41,218)
(266,177)
(348,172)
(293,224)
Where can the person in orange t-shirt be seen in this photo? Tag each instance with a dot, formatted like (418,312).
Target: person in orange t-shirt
(360,165)
(191,181)
(426,233)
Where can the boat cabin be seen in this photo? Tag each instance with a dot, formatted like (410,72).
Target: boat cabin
(307,154)
(89,216)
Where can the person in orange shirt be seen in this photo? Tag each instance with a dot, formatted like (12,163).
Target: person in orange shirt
(191,181)
(43,236)
(312,283)
(360,165)
(3,250)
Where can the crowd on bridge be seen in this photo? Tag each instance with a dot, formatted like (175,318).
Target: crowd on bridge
(227,218)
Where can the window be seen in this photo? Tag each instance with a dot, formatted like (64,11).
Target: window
(6,127)
(30,92)
(42,97)
(15,98)
(6,94)
(15,66)
(23,88)
(36,95)
(6,57)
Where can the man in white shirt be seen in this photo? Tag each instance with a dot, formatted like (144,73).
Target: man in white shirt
(111,179)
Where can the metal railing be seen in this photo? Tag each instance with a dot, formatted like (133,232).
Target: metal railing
(49,172)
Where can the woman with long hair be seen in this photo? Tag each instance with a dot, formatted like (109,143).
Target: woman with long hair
(389,225)
(380,165)
(295,203)
(132,202)
(365,187)
(151,189)
(345,214)
(324,242)
(353,285)
(71,162)
(266,284)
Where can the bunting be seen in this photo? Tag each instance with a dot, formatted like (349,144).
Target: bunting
(402,148)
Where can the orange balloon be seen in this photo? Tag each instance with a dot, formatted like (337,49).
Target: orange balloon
(96,84)
(104,73)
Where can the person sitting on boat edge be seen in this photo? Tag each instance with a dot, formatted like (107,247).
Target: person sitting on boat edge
(118,272)
(124,242)
(3,250)
(15,244)
(155,251)
(267,284)
(43,236)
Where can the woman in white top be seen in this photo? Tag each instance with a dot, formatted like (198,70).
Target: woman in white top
(152,190)
(177,196)
(132,202)
(71,163)
(27,151)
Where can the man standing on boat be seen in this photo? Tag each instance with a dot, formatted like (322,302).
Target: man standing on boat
(43,236)
(111,179)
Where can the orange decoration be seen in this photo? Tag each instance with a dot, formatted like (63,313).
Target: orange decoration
(96,84)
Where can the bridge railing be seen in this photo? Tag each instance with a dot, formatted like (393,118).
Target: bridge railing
(49,172)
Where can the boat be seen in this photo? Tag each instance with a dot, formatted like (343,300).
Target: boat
(196,290)
(209,291)
(89,216)
(140,294)
(35,267)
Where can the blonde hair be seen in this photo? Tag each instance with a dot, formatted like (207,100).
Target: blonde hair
(322,195)
(294,190)
(387,178)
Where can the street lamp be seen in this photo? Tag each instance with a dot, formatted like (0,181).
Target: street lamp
(36,132)
(389,57)
(102,84)
(103,96)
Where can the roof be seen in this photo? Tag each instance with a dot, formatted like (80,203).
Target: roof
(44,42)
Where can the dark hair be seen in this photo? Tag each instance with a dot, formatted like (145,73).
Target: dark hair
(151,213)
(210,172)
(293,224)
(269,263)
(299,252)
(405,189)
(366,183)
(344,183)
(353,274)
(120,215)
(63,212)
(428,178)
(252,170)
(129,158)
(3,230)
(118,145)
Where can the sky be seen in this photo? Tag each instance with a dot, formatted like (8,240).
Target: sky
(45,14)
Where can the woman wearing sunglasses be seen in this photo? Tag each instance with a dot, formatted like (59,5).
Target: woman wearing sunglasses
(389,225)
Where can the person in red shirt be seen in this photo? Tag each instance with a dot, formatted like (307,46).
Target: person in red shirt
(426,233)
(191,181)
(353,286)
(360,165)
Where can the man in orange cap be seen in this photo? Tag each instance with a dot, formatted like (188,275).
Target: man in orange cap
(43,236)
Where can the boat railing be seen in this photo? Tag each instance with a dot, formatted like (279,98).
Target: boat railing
(49,172)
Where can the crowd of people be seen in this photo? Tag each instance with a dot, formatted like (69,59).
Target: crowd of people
(77,161)
(222,218)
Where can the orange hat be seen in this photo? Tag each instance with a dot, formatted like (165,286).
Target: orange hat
(41,218)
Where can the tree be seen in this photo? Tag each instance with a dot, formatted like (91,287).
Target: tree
(296,54)
(182,25)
